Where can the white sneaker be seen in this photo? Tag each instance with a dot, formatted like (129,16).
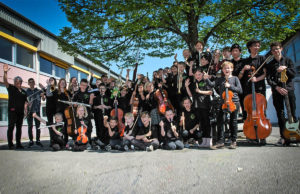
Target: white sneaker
(203,144)
(126,148)
(280,142)
(150,148)
(132,147)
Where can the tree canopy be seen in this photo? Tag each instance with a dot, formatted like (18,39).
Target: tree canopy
(125,31)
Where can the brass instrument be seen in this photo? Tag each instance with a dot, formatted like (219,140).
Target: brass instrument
(52,88)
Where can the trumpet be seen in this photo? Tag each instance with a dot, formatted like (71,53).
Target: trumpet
(52,88)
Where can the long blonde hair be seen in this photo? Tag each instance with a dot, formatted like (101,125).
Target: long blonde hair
(85,111)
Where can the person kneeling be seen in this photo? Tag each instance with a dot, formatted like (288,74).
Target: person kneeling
(170,132)
(55,130)
(115,141)
(84,130)
(145,135)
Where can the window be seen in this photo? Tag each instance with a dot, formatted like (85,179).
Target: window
(25,38)
(24,57)
(81,65)
(297,48)
(60,72)
(3,110)
(83,75)
(45,66)
(73,73)
(5,49)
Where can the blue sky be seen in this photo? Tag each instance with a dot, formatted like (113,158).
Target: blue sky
(47,14)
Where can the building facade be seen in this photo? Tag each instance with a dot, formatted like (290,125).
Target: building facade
(33,52)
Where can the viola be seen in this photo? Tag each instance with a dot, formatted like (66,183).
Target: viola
(117,112)
(82,138)
(161,97)
(227,96)
(256,126)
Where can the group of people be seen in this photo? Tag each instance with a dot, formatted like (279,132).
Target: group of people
(184,104)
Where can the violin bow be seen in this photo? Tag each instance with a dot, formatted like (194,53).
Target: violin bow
(268,59)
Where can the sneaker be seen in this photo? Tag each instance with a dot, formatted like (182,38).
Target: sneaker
(126,148)
(132,147)
(186,145)
(11,147)
(219,145)
(30,144)
(108,148)
(19,147)
(294,144)
(68,147)
(97,147)
(263,142)
(39,144)
(118,147)
(280,142)
(88,147)
(232,145)
(99,142)
(149,148)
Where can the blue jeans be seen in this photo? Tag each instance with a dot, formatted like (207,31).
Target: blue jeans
(173,145)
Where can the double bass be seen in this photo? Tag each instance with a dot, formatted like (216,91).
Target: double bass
(256,126)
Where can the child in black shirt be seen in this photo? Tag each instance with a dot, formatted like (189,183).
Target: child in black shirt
(115,141)
(170,132)
(56,131)
(189,122)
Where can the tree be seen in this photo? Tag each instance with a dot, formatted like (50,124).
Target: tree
(113,31)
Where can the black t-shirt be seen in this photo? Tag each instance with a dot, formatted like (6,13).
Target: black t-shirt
(200,100)
(99,100)
(86,121)
(116,135)
(260,86)
(237,66)
(16,99)
(169,136)
(191,119)
(53,135)
(142,130)
(60,105)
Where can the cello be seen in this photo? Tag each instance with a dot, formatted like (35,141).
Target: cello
(70,117)
(117,112)
(163,103)
(256,126)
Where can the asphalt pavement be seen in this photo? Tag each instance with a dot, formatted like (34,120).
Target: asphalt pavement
(247,169)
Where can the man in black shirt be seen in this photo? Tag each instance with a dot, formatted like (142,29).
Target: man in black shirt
(254,60)
(17,103)
(279,91)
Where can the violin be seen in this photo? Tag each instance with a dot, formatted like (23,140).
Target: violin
(82,138)
(163,103)
(256,126)
(69,114)
(117,112)
(227,96)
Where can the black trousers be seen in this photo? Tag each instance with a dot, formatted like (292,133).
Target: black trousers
(278,102)
(101,131)
(233,125)
(30,126)
(203,115)
(14,119)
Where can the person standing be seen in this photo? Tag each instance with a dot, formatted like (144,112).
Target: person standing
(274,69)
(34,96)
(17,104)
